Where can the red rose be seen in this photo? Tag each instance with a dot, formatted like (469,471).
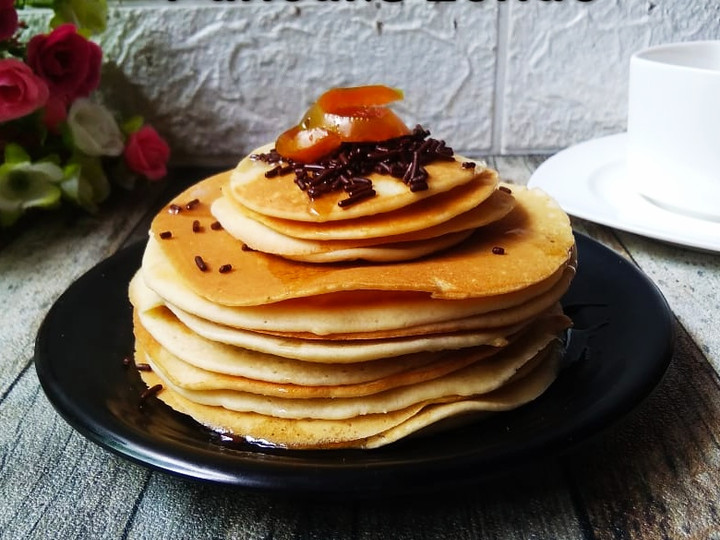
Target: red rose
(69,63)
(8,19)
(147,153)
(55,113)
(21,91)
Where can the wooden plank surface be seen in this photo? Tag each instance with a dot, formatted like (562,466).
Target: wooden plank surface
(653,475)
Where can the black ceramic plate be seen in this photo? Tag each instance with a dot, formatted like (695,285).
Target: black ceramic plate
(617,353)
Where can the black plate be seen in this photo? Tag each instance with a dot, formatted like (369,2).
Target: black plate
(617,353)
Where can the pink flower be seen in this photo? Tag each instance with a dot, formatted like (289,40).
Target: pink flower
(147,153)
(21,91)
(69,63)
(8,19)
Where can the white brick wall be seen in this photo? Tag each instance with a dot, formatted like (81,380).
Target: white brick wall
(493,76)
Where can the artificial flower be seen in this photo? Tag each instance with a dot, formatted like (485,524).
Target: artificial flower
(8,19)
(21,91)
(86,15)
(46,112)
(68,62)
(85,183)
(147,153)
(95,131)
(54,114)
(26,185)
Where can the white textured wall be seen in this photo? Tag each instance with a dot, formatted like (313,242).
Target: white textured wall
(511,76)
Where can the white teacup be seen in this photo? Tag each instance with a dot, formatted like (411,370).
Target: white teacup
(673,152)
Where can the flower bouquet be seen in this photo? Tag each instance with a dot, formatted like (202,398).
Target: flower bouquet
(58,141)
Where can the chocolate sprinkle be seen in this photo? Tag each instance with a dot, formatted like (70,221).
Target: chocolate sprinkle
(192,204)
(150,392)
(245,247)
(196,226)
(215,226)
(497,250)
(469,165)
(143,367)
(356,197)
(174,209)
(225,268)
(165,235)
(346,169)
(200,263)
(505,189)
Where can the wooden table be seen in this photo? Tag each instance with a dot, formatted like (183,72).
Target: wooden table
(652,475)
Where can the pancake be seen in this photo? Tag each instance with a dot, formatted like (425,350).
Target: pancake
(280,197)
(368,431)
(262,238)
(536,238)
(326,314)
(437,417)
(295,381)
(385,253)
(470,205)
(161,328)
(342,352)
(480,378)
(497,366)
(494,319)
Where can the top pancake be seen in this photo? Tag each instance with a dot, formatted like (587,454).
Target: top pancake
(279,196)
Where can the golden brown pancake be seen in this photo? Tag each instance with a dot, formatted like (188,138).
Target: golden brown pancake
(261,238)
(327,314)
(493,319)
(343,352)
(367,431)
(536,239)
(221,364)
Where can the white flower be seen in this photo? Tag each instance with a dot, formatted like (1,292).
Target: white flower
(26,185)
(94,129)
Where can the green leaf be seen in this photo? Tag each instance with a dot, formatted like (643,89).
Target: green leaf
(71,169)
(36,3)
(89,16)
(94,174)
(132,124)
(66,136)
(15,154)
(86,183)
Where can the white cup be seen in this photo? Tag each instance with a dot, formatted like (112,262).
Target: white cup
(673,152)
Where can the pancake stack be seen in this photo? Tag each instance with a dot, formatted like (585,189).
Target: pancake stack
(309,323)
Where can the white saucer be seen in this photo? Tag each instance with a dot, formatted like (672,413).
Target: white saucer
(588,180)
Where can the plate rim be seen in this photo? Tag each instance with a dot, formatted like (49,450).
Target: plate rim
(355,478)
(566,178)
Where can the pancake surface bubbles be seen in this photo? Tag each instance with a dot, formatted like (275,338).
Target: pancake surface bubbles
(309,325)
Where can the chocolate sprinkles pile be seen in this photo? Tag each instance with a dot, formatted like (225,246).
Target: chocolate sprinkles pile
(347,167)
